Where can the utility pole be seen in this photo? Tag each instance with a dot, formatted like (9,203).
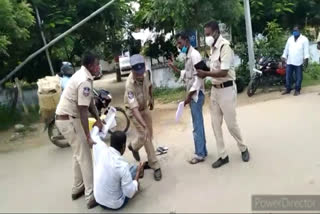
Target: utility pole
(247,14)
(44,40)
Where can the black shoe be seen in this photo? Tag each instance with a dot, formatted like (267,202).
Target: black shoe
(245,155)
(92,203)
(220,162)
(157,174)
(286,92)
(77,195)
(296,93)
(134,153)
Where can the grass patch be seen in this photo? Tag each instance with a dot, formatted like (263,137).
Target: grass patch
(312,75)
(11,117)
(168,95)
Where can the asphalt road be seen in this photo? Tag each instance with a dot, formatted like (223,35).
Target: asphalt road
(282,136)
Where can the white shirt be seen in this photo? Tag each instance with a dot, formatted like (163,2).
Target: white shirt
(194,83)
(112,177)
(296,51)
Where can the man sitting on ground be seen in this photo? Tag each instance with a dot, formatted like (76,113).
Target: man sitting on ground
(114,180)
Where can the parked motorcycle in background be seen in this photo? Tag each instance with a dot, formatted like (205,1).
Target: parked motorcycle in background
(270,73)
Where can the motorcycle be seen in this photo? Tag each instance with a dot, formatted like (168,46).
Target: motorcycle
(270,73)
(102,100)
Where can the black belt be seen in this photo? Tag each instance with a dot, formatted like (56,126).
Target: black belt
(64,117)
(224,85)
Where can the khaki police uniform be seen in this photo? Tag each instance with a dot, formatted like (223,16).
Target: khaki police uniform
(137,96)
(77,93)
(224,99)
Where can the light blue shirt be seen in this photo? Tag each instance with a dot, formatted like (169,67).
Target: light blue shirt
(64,81)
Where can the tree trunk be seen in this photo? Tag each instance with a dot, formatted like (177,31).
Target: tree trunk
(21,95)
(15,99)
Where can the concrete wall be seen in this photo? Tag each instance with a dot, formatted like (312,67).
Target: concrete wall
(30,97)
(163,77)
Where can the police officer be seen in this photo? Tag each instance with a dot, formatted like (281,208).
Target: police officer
(223,92)
(195,96)
(138,98)
(72,122)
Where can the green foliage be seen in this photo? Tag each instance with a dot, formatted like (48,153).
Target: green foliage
(265,11)
(273,43)
(104,34)
(16,19)
(159,47)
(11,117)
(243,72)
(313,71)
(168,15)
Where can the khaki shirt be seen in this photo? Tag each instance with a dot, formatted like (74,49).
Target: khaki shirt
(193,83)
(222,59)
(77,93)
(137,94)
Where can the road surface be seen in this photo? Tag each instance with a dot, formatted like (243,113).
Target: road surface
(282,136)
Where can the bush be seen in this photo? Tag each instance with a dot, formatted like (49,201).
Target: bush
(271,45)
(313,70)
(24,85)
(243,73)
(10,117)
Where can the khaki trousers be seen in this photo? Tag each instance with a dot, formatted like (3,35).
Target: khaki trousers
(223,105)
(82,158)
(139,141)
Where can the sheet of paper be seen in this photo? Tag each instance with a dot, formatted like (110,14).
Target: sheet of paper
(179,111)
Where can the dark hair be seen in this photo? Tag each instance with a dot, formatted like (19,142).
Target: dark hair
(89,58)
(297,26)
(213,25)
(182,35)
(118,140)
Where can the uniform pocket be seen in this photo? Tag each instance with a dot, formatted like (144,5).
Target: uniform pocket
(65,127)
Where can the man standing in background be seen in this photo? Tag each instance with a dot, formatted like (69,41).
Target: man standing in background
(296,56)
(195,95)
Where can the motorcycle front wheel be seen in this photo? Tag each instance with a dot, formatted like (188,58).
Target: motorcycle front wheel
(56,137)
(122,120)
(253,86)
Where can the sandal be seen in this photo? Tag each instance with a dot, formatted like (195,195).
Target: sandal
(195,160)
(161,151)
(163,148)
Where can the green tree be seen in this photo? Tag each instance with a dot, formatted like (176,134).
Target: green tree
(16,19)
(167,15)
(106,33)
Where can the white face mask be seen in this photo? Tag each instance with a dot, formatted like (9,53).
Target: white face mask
(209,40)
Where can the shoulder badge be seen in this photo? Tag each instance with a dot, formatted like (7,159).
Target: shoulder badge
(86,91)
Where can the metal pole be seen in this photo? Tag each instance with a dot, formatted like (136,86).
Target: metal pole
(55,41)
(249,35)
(44,41)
